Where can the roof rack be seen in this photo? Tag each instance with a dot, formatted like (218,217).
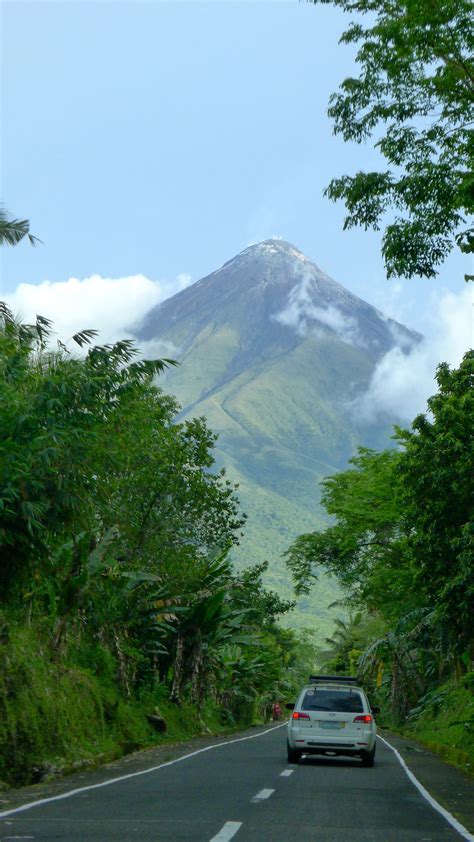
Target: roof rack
(336,679)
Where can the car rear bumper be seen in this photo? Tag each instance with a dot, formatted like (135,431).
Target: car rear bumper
(347,751)
(316,745)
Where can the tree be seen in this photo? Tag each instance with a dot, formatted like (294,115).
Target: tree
(349,640)
(54,413)
(366,548)
(437,474)
(403,538)
(417,85)
(12,231)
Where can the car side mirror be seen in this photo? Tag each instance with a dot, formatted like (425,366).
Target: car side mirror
(375,709)
(290,706)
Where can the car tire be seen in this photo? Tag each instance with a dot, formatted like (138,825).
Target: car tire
(368,758)
(293,754)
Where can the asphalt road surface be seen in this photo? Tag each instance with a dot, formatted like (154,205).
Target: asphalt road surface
(243,790)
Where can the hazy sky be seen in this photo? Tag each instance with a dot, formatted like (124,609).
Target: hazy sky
(158,139)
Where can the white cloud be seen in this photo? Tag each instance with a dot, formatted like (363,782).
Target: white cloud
(306,318)
(403,381)
(345,326)
(113,306)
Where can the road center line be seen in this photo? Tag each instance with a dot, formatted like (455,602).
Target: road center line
(429,798)
(262,795)
(71,792)
(227,832)
(286,773)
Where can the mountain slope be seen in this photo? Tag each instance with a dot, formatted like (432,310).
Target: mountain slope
(273,352)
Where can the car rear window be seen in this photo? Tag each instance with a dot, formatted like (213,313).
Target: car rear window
(337,700)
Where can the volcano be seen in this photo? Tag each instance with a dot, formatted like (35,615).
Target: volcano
(275,353)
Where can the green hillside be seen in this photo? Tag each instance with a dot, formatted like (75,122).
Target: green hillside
(280,432)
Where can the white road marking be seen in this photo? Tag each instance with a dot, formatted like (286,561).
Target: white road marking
(133,774)
(262,795)
(286,773)
(227,832)
(429,798)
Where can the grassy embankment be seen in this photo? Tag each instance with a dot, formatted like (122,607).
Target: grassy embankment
(60,715)
(444,722)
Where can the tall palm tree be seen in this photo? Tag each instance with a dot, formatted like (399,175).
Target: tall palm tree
(13,230)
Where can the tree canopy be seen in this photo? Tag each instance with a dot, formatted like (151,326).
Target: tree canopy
(414,97)
(437,478)
(116,529)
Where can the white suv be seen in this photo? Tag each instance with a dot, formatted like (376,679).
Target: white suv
(332,717)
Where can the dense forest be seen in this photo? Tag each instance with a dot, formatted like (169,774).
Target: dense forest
(120,610)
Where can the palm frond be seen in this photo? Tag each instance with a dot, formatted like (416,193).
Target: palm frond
(12,231)
(83,337)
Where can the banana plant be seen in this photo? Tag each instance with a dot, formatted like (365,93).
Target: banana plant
(403,660)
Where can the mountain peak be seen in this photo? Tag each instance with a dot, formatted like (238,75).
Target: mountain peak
(273,297)
(269,250)
(274,246)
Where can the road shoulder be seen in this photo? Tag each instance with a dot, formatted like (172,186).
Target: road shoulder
(129,764)
(451,787)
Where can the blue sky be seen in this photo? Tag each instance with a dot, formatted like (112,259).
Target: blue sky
(158,139)
(162,137)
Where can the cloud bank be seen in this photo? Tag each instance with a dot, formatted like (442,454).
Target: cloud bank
(113,306)
(399,387)
(403,381)
(405,377)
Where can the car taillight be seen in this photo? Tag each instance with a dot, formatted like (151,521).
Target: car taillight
(366,718)
(298,715)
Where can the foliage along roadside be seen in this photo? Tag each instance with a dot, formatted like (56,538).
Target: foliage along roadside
(61,716)
(402,546)
(414,98)
(403,539)
(114,540)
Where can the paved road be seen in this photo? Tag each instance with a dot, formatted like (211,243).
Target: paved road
(246,791)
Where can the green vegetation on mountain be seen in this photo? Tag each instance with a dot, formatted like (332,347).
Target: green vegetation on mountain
(119,603)
(278,430)
(416,84)
(402,548)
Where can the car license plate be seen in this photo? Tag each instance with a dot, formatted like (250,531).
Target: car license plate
(332,725)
